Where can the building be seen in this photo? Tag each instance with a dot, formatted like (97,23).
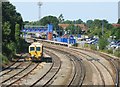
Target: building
(116,25)
(82,26)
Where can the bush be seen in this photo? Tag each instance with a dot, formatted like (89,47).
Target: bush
(86,45)
(117,53)
(12,47)
(93,47)
(4,60)
(102,43)
(76,44)
(9,49)
(110,51)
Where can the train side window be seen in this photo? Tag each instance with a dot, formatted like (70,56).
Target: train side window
(37,48)
(32,49)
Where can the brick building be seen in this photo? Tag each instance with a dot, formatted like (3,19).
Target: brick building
(82,26)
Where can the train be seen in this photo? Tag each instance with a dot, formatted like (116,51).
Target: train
(36,51)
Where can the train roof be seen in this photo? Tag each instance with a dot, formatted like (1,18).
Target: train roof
(36,44)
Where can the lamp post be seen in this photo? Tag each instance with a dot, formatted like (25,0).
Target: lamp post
(39,4)
(68,37)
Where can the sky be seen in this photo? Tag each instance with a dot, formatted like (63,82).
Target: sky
(71,10)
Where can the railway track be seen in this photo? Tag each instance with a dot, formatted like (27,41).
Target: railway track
(3,69)
(50,74)
(78,71)
(8,81)
(97,63)
(100,65)
(11,68)
(80,82)
(43,80)
(115,64)
(113,77)
(28,72)
(78,75)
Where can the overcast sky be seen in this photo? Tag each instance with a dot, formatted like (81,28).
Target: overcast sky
(71,10)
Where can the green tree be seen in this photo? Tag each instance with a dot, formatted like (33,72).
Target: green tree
(117,33)
(71,29)
(6,31)
(103,43)
(97,23)
(12,47)
(67,22)
(50,19)
(109,26)
(9,14)
(89,23)
(17,32)
(10,17)
(60,18)
(118,21)
(79,21)
(78,30)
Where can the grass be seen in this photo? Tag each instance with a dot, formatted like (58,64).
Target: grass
(117,53)
(3,60)
(93,47)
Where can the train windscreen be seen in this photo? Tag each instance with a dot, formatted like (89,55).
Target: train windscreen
(32,49)
(37,48)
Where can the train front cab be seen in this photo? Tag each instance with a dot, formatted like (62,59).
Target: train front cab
(36,52)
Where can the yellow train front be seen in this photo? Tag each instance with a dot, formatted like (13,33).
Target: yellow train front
(36,51)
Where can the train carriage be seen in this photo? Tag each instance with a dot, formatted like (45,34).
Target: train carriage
(36,51)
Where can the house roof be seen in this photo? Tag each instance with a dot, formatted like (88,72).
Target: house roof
(116,25)
(82,26)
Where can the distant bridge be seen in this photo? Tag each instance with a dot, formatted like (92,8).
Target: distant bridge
(37,29)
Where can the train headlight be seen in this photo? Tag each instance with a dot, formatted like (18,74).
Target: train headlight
(32,55)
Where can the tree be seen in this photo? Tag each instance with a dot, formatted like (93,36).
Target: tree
(6,31)
(89,23)
(50,20)
(9,14)
(79,21)
(67,22)
(97,23)
(12,47)
(118,21)
(109,26)
(103,43)
(60,18)
(105,23)
(10,31)
(78,30)
(72,29)
(17,32)
(117,33)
